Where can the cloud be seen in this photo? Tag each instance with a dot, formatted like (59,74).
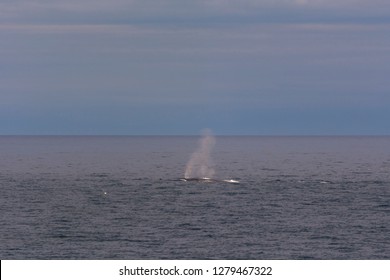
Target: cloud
(189,12)
(260,64)
(225,57)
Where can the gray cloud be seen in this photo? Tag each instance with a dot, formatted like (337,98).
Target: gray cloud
(259,64)
(205,63)
(190,12)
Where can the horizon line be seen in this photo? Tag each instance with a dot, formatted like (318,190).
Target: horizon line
(191,135)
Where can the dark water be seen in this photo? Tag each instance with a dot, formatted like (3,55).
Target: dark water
(119,198)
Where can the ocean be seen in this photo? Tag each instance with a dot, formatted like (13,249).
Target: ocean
(122,197)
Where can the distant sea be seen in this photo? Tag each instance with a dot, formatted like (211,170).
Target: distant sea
(122,198)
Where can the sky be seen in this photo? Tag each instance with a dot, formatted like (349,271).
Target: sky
(174,67)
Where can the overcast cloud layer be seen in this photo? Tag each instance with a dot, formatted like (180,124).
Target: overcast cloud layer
(175,67)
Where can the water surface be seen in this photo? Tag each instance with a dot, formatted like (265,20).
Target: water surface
(119,198)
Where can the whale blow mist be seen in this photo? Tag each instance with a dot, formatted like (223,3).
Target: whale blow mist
(200,163)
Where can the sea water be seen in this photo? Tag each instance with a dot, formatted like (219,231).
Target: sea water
(122,198)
